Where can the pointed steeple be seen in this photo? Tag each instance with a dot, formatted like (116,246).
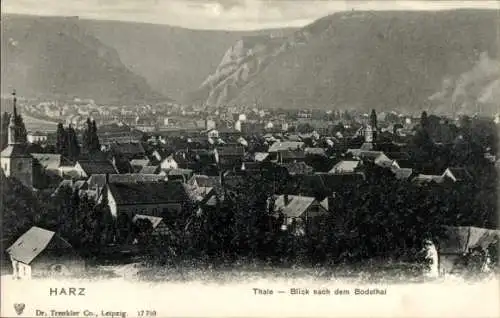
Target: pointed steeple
(13,137)
(14,102)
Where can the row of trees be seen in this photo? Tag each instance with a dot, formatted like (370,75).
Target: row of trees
(67,142)
(90,137)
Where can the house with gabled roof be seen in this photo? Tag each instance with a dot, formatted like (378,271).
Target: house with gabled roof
(297,213)
(161,199)
(457,242)
(86,168)
(41,253)
(345,166)
(208,189)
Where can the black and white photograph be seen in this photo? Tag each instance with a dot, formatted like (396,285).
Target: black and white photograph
(257,158)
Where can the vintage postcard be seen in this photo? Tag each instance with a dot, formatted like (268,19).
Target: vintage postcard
(250,158)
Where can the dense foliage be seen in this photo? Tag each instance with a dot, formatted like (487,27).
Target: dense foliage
(90,138)
(67,143)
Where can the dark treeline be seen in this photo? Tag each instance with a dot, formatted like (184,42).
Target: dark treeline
(67,142)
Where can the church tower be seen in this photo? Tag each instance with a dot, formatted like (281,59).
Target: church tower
(13,131)
(370,132)
(16,162)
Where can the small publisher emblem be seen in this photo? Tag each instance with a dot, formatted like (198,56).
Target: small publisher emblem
(19,308)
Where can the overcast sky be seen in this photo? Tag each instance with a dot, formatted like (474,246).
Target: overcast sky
(222,14)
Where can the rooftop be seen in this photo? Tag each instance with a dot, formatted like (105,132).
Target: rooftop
(148,193)
(27,247)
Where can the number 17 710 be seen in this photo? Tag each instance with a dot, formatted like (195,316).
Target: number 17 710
(146,313)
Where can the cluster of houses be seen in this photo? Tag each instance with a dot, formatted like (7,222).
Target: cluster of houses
(144,180)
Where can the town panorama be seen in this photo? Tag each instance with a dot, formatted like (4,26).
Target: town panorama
(150,151)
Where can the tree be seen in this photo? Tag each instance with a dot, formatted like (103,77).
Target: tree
(61,140)
(95,144)
(373,123)
(373,119)
(424,120)
(21,209)
(72,143)
(90,138)
(105,226)
(87,137)
(123,228)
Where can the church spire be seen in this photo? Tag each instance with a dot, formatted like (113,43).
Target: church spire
(13,132)
(14,101)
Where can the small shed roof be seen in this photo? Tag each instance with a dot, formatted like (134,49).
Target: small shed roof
(27,247)
(458,239)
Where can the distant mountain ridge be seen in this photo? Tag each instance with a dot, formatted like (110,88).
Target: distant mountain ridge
(173,60)
(44,57)
(362,60)
(384,60)
(151,59)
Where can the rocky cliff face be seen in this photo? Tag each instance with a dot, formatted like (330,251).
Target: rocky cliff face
(362,60)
